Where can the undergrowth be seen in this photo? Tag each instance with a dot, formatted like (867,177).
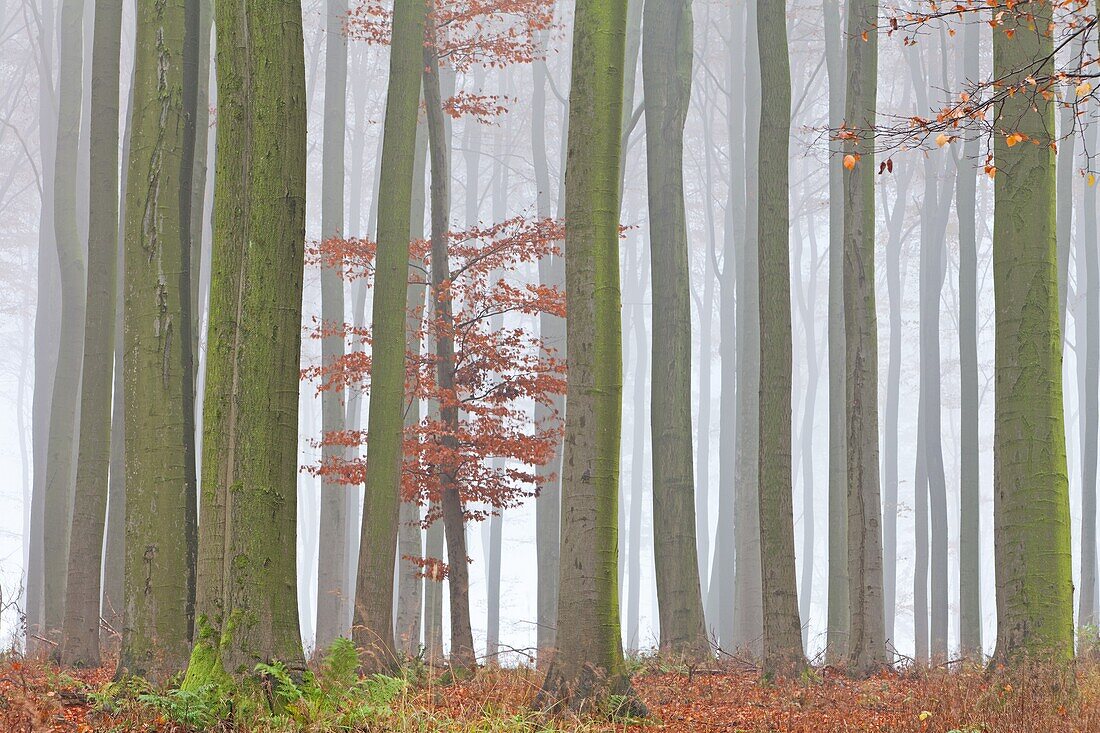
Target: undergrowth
(331,698)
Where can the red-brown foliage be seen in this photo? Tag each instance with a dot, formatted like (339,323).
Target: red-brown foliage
(502,368)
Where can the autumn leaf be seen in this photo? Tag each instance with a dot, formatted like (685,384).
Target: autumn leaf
(942,140)
(850,161)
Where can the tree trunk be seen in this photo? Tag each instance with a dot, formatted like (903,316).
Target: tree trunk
(839,610)
(1089,346)
(633,542)
(867,642)
(807,298)
(895,224)
(114,549)
(720,600)
(202,15)
(46,328)
(970,590)
(782,643)
(747,609)
(333,595)
(80,640)
(159,387)
(1031,498)
(373,627)
(247,562)
(552,333)
(589,662)
(64,416)
(454,521)
(410,534)
(666,77)
(934,212)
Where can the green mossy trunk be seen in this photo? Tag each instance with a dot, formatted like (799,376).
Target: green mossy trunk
(589,660)
(867,639)
(159,570)
(666,80)
(373,625)
(60,452)
(80,637)
(782,644)
(247,604)
(1030,476)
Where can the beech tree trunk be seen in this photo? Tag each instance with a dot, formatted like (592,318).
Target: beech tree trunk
(247,565)
(333,594)
(839,612)
(666,75)
(159,386)
(747,605)
(867,639)
(373,626)
(64,415)
(782,642)
(454,521)
(589,662)
(970,590)
(80,640)
(1031,483)
(552,333)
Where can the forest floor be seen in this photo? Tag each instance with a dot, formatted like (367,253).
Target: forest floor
(36,697)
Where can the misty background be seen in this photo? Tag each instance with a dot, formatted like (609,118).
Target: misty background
(493,178)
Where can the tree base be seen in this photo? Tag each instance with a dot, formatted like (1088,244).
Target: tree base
(590,690)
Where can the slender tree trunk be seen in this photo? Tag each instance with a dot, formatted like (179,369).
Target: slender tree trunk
(839,612)
(114,549)
(589,662)
(970,592)
(633,548)
(630,539)
(867,641)
(454,521)
(159,387)
(373,627)
(64,405)
(1088,345)
(704,421)
(333,595)
(552,333)
(493,528)
(748,610)
(80,640)
(46,329)
(807,297)
(721,599)
(782,644)
(410,534)
(895,292)
(920,539)
(934,211)
(202,14)
(666,73)
(1031,498)
(247,565)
